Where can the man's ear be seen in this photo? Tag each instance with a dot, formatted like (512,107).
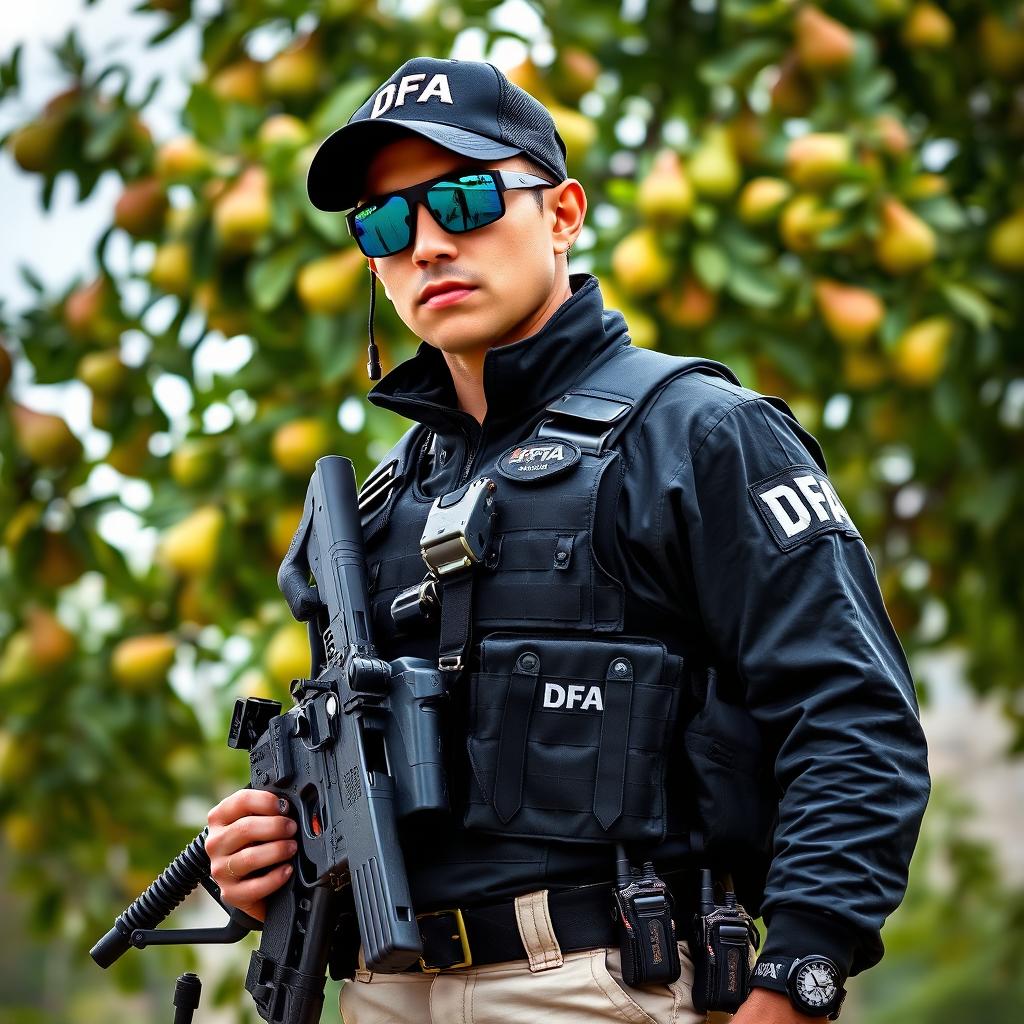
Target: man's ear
(570,209)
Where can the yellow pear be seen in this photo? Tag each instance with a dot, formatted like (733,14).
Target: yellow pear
(193,601)
(862,371)
(130,455)
(924,186)
(689,304)
(851,314)
(905,242)
(172,267)
(16,664)
(142,207)
(283,130)
(295,71)
(638,263)
(283,524)
(893,136)
(578,132)
(1006,242)
(195,462)
(242,214)
(241,82)
(59,563)
(762,198)
(182,158)
(34,145)
(297,445)
(1002,44)
(85,312)
(328,284)
(817,159)
(920,352)
(44,438)
(714,170)
(528,77)
(665,195)
(927,27)
(576,72)
(803,218)
(822,43)
(103,372)
(190,546)
(287,656)
(52,643)
(643,329)
(142,662)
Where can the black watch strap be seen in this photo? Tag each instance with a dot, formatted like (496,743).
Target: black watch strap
(782,974)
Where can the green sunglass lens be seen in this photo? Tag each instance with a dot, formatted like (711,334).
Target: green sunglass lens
(383,230)
(469,202)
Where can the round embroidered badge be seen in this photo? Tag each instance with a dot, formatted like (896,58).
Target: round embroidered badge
(538,460)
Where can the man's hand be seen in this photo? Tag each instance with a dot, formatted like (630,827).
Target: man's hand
(249,830)
(765,1007)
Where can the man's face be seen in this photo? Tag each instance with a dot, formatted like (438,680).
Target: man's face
(509,267)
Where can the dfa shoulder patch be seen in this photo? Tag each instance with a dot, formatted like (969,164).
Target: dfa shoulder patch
(538,460)
(798,504)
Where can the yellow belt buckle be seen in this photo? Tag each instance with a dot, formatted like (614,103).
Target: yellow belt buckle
(467,956)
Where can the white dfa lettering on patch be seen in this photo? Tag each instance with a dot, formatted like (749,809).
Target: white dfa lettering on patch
(801,504)
(394,95)
(788,509)
(572,696)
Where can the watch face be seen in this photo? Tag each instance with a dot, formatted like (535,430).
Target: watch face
(815,983)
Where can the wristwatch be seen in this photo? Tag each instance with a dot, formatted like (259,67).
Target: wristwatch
(813,983)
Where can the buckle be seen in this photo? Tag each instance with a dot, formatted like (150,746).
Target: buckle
(448,937)
(451,663)
(458,529)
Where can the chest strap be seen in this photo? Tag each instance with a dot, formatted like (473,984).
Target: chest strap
(599,407)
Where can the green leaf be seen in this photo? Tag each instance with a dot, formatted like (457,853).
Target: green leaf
(741,61)
(755,286)
(848,194)
(341,104)
(204,114)
(969,303)
(330,226)
(711,265)
(942,213)
(106,134)
(332,342)
(268,279)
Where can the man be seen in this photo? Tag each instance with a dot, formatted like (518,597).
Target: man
(653,519)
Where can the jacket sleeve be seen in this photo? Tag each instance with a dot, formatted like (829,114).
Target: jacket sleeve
(788,597)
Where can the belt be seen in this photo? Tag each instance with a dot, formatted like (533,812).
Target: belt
(582,918)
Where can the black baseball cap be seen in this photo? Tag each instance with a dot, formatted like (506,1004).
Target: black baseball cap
(467,106)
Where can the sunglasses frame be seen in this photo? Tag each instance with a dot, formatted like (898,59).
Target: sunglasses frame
(416,195)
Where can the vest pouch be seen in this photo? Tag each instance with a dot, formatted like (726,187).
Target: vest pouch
(732,782)
(568,737)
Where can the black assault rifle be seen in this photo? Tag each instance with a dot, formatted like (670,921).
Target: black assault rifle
(359,751)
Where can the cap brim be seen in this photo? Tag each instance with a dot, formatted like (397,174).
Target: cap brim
(335,178)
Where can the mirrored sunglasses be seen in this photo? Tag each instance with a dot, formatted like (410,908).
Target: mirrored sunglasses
(459,202)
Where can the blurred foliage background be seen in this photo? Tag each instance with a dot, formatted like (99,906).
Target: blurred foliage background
(828,197)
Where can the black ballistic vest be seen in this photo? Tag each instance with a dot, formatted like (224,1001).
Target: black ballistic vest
(562,728)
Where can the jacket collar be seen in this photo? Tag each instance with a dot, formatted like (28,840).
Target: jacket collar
(520,377)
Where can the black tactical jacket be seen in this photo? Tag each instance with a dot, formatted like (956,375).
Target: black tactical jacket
(732,546)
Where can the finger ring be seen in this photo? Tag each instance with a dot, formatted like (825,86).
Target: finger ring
(231,871)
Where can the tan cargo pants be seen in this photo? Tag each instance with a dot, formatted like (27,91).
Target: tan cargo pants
(547,988)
